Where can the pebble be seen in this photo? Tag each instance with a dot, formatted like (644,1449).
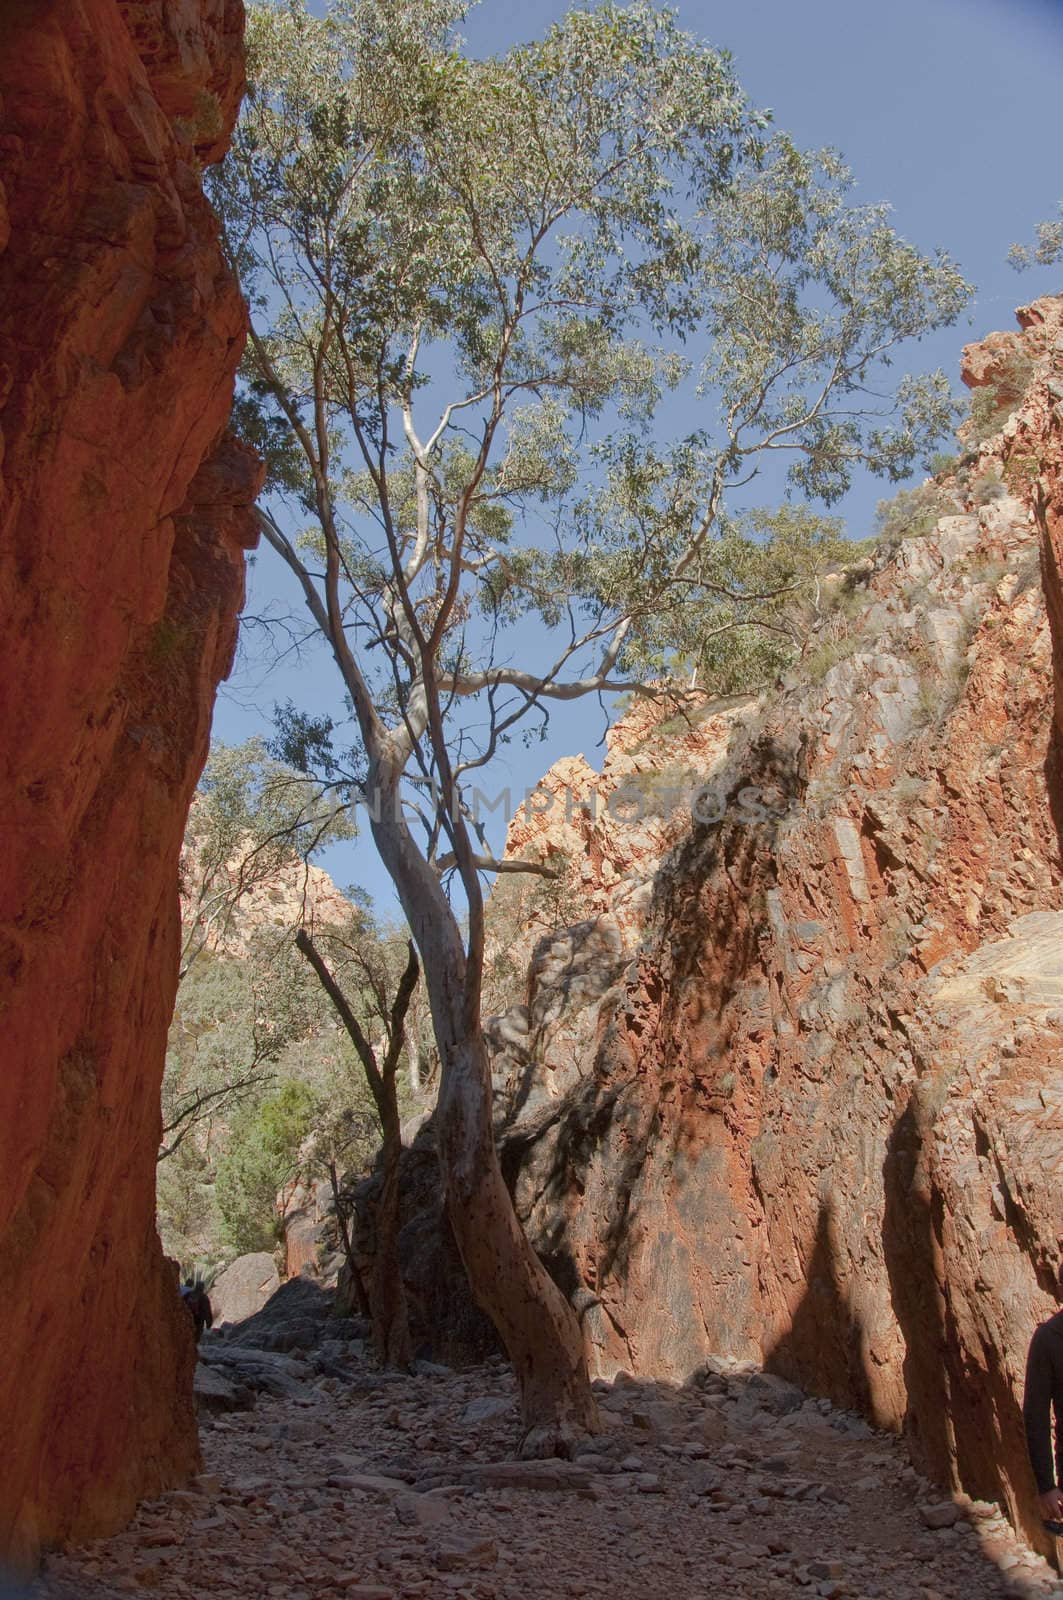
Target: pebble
(941,1515)
(485,1407)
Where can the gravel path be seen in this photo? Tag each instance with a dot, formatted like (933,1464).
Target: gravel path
(380,1487)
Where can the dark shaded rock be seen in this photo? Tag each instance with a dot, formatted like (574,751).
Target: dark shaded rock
(775,1394)
(445,1324)
(298,1312)
(217,1391)
(250,1369)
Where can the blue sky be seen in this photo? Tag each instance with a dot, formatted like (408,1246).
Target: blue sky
(948,110)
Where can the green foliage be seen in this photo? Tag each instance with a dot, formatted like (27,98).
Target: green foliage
(1048,249)
(250,798)
(806,291)
(987,487)
(303,742)
(536,240)
(262,1155)
(740,615)
(165,641)
(236,1017)
(1021,473)
(913,513)
(205,124)
(248,1012)
(986,416)
(825,653)
(940,691)
(243,1025)
(242,1022)
(184,1204)
(993,403)
(908,791)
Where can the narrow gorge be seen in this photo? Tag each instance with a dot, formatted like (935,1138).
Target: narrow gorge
(773,988)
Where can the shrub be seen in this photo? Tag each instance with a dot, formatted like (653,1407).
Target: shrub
(826,653)
(187,1224)
(261,1157)
(940,692)
(986,487)
(912,513)
(908,791)
(992,405)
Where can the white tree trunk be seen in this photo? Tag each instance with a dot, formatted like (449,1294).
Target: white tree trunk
(534,1320)
(510,1283)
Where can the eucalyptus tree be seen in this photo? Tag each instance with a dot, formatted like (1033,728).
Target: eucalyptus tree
(472,284)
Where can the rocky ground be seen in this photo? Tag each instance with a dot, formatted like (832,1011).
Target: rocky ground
(344,1480)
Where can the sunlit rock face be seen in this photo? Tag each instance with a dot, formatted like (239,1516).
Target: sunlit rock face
(125,511)
(792,1090)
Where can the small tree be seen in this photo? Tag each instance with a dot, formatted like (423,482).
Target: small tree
(254,827)
(339,1142)
(234,1018)
(1048,249)
(262,1156)
(385,1003)
(246,1011)
(522,250)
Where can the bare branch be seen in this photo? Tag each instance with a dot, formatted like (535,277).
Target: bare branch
(538,869)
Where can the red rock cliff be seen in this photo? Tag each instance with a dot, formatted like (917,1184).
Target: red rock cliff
(793,1090)
(124,515)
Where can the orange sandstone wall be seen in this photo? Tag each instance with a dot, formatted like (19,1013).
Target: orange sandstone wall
(124,516)
(793,1091)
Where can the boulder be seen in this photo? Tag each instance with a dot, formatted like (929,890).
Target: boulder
(774,1393)
(296,1313)
(249,1370)
(244,1287)
(216,1391)
(487,1407)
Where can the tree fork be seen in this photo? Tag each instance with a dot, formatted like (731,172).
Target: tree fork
(387,1304)
(537,1326)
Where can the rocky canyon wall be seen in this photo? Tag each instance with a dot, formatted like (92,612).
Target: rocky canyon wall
(125,511)
(791,1089)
